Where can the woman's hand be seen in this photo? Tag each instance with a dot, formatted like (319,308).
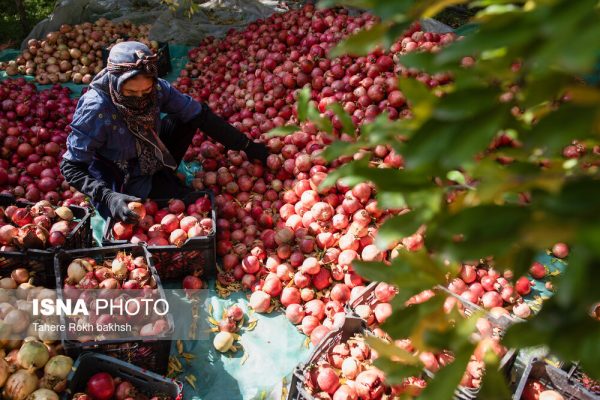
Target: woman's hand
(117,204)
(257,151)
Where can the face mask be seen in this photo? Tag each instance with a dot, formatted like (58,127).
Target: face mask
(137,103)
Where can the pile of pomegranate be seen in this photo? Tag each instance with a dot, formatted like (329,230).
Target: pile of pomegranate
(104,386)
(38,226)
(286,239)
(346,371)
(33,132)
(172,225)
(74,53)
(483,285)
(122,272)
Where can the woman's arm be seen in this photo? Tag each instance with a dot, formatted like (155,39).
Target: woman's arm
(200,116)
(85,139)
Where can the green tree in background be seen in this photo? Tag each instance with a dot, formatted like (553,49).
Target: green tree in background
(527,83)
(17,17)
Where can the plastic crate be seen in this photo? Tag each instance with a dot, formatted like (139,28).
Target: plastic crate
(462,393)
(351,327)
(577,375)
(553,379)
(152,353)
(41,262)
(197,255)
(164,58)
(148,383)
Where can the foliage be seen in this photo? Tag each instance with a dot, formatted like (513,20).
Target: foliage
(509,203)
(11,27)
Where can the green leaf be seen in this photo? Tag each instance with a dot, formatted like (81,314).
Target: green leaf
(339,148)
(404,321)
(322,123)
(466,104)
(364,4)
(386,179)
(396,373)
(395,228)
(361,43)
(409,270)
(447,379)
(560,127)
(484,230)
(437,6)
(347,124)
(577,199)
(392,201)
(456,176)
(389,350)
(283,130)
(302,103)
(419,96)
(494,384)
(383,131)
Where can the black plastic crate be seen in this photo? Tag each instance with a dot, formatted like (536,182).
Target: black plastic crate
(197,255)
(577,375)
(164,58)
(351,327)
(41,262)
(148,383)
(553,379)
(151,353)
(462,393)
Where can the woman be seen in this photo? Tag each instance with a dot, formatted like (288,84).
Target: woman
(120,150)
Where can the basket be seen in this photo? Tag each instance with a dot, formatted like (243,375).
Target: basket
(352,326)
(164,58)
(197,255)
(553,379)
(152,353)
(147,382)
(41,262)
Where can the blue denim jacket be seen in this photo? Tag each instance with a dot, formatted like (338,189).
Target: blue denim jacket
(100,137)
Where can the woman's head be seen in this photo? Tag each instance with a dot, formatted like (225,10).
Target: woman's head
(138,86)
(133,68)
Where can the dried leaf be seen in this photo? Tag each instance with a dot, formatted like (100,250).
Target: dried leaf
(251,325)
(188,356)
(244,358)
(179,347)
(307,342)
(213,321)
(191,380)
(233,349)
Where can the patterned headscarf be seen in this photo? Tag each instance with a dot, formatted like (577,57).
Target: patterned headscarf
(126,60)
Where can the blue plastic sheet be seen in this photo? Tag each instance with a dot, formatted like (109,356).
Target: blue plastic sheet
(269,353)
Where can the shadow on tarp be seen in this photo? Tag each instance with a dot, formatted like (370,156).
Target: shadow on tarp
(269,352)
(179,57)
